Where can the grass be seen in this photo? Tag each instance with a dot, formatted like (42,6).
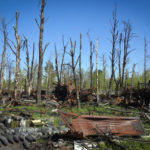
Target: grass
(87,109)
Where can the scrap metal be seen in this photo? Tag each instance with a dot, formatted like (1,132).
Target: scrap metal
(89,125)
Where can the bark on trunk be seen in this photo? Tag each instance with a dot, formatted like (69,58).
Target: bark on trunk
(41,53)
(128,35)
(97,78)
(3,55)
(114,33)
(80,71)
(56,65)
(91,64)
(104,72)
(72,53)
(145,62)
(17,92)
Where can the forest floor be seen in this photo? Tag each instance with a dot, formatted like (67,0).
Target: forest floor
(44,124)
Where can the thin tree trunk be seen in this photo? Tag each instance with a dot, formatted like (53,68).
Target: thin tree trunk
(119,58)
(56,65)
(80,71)
(72,53)
(62,62)
(4,53)
(97,77)
(91,64)
(17,92)
(114,33)
(104,72)
(145,61)
(41,52)
(126,79)
(133,73)
(31,72)
(132,80)
(49,79)
(128,35)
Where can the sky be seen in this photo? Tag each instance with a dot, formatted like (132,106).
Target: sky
(72,17)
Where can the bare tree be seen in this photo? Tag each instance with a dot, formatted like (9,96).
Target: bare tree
(34,77)
(132,80)
(145,61)
(29,67)
(80,70)
(9,68)
(73,66)
(60,73)
(119,57)
(114,33)
(16,50)
(91,63)
(63,56)
(3,64)
(133,73)
(49,69)
(104,71)
(92,47)
(128,35)
(41,51)
(25,45)
(126,79)
(97,94)
(56,65)
(118,80)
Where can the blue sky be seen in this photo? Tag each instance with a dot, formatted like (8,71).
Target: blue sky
(72,17)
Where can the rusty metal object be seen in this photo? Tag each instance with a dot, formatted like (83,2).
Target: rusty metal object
(87,125)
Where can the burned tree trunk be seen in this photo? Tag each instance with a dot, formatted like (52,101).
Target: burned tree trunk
(133,73)
(56,65)
(41,51)
(91,60)
(114,33)
(32,73)
(91,63)
(62,62)
(60,73)
(128,35)
(73,66)
(29,68)
(25,45)
(126,79)
(104,72)
(17,54)
(145,62)
(119,58)
(132,80)
(80,70)
(97,77)
(9,70)
(49,77)
(3,54)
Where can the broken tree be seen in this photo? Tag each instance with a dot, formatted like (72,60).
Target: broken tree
(128,35)
(60,73)
(3,64)
(16,50)
(41,51)
(145,62)
(73,66)
(29,70)
(114,33)
(97,92)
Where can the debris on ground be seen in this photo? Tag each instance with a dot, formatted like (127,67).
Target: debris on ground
(88,125)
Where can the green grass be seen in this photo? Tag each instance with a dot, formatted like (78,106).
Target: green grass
(86,109)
